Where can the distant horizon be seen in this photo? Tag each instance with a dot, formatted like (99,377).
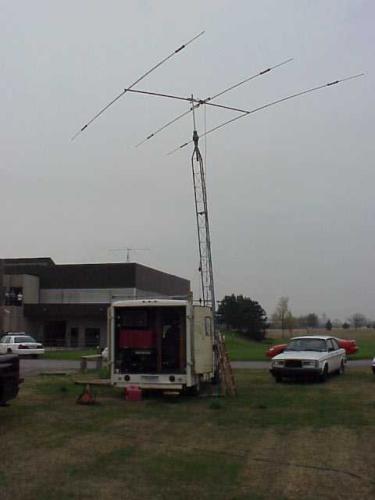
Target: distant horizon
(323,316)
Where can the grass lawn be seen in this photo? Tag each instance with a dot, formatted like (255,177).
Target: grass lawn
(241,349)
(281,441)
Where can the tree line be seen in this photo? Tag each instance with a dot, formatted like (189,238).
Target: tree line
(284,319)
(247,316)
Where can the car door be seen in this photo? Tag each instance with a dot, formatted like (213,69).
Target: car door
(4,344)
(334,355)
(10,344)
(340,353)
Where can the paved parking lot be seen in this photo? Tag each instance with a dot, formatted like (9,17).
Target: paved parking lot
(29,367)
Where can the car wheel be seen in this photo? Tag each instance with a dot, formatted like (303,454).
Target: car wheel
(324,375)
(341,370)
(278,379)
(9,350)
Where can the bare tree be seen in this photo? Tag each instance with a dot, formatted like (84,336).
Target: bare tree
(282,316)
(358,320)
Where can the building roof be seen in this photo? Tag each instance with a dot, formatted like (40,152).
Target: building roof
(84,276)
(38,261)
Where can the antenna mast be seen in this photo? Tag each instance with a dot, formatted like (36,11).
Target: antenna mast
(203,227)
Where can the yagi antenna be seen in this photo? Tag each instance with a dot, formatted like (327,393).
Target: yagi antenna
(135,83)
(268,105)
(198,102)
(208,99)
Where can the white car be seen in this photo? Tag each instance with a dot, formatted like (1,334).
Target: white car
(309,356)
(373,366)
(21,344)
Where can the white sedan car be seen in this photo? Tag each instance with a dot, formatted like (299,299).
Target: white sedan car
(309,356)
(20,344)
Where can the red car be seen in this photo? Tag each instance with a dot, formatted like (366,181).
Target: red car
(350,347)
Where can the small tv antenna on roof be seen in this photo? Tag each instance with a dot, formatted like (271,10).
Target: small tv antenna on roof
(128,251)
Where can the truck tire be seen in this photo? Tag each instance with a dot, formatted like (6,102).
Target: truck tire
(194,390)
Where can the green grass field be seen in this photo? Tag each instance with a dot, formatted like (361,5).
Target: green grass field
(279,441)
(241,349)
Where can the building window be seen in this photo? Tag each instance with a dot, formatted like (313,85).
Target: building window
(54,333)
(92,337)
(74,337)
(13,296)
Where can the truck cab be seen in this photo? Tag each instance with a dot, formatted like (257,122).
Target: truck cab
(164,344)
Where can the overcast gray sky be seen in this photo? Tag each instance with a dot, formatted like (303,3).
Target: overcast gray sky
(291,189)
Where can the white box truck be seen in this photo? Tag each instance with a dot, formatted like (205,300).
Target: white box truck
(164,344)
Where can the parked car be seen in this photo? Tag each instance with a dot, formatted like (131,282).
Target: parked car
(350,346)
(275,350)
(373,366)
(309,356)
(20,344)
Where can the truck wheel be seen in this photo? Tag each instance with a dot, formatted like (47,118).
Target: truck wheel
(278,379)
(194,390)
(324,375)
(197,388)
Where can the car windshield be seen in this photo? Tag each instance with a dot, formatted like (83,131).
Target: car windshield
(21,340)
(318,345)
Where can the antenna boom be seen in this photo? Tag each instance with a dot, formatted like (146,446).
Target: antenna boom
(208,99)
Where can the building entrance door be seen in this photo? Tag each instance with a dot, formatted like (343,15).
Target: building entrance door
(54,333)
(74,337)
